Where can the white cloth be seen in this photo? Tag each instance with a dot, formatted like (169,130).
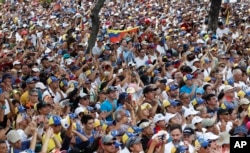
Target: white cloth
(140,62)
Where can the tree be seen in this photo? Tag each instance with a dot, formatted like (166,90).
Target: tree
(95,24)
(214,14)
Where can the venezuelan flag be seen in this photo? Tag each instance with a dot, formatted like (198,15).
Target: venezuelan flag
(116,35)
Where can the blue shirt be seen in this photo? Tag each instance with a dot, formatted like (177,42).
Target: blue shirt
(107,106)
(25,145)
(186,89)
(88,143)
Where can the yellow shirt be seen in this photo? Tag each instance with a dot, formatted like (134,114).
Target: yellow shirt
(52,144)
(24,98)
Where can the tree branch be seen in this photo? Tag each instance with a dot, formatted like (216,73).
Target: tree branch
(95,24)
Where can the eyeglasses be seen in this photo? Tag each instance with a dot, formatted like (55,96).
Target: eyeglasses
(109,144)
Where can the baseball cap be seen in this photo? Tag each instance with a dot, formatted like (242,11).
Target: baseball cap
(188,131)
(224,138)
(16,63)
(244,101)
(240,129)
(210,136)
(52,79)
(201,142)
(190,112)
(167,103)
(126,136)
(5,76)
(133,140)
(169,116)
(197,101)
(79,110)
(146,106)
(187,77)
(13,136)
(111,89)
(196,120)
(207,122)
(55,120)
(200,91)
(148,89)
(227,88)
(40,85)
(107,139)
(144,124)
(158,117)
(123,95)
(171,87)
(30,80)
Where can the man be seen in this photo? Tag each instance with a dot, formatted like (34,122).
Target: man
(170,106)
(224,123)
(56,141)
(221,30)
(33,99)
(84,100)
(110,104)
(30,83)
(134,145)
(228,101)
(189,136)
(108,144)
(149,93)
(141,59)
(53,94)
(14,139)
(172,92)
(202,144)
(212,106)
(189,86)
(88,131)
(3,146)
(147,132)
(176,134)
(159,121)
(97,50)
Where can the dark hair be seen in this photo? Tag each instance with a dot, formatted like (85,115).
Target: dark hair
(206,86)
(209,96)
(86,118)
(174,127)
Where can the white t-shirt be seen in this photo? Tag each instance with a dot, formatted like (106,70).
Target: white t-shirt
(220,32)
(140,62)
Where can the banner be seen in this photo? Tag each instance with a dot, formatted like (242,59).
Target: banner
(116,35)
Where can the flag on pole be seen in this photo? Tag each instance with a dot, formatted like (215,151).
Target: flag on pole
(116,35)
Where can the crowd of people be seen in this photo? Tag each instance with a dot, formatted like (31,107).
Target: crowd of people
(173,86)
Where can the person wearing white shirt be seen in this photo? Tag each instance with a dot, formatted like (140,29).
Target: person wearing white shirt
(221,30)
(53,94)
(141,59)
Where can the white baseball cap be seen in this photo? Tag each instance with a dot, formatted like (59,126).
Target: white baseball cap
(196,119)
(169,116)
(158,117)
(190,112)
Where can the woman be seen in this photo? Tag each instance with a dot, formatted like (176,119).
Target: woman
(143,112)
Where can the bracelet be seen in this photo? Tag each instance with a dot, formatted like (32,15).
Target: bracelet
(3,107)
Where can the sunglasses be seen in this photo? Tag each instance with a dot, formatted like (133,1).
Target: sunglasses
(109,144)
